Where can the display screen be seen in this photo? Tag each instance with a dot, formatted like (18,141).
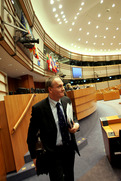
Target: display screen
(77,72)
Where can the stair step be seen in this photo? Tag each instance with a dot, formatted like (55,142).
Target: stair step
(81,142)
(26,171)
(27,157)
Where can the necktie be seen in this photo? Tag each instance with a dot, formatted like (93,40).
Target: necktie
(62,125)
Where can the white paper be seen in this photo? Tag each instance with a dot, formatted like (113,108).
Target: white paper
(69,113)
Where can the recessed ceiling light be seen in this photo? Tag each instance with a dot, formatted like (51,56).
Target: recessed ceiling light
(79,39)
(77,14)
(62,12)
(97,27)
(109,18)
(73,23)
(104,37)
(102,43)
(94,43)
(72,44)
(75,17)
(106,28)
(95,36)
(82,4)
(56,15)
(86,42)
(87,33)
(89,22)
(60,6)
(58,19)
(117,28)
(54,9)
(51,1)
(114,36)
(70,29)
(80,9)
(99,15)
(80,29)
(66,21)
(63,16)
(111,43)
(101,1)
(113,5)
(75,46)
(60,22)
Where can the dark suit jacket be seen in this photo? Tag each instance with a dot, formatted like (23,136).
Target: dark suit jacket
(42,118)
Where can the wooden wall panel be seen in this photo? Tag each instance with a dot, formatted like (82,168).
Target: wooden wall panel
(6,141)
(15,105)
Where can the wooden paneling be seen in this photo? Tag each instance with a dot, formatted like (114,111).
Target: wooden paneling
(15,105)
(84,101)
(6,141)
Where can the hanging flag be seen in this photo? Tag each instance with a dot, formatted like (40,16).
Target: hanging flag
(52,64)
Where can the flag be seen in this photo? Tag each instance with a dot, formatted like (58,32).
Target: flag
(52,64)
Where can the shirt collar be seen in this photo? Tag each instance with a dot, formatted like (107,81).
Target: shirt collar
(53,102)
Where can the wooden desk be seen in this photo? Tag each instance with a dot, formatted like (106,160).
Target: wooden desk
(84,101)
(112,141)
(110,95)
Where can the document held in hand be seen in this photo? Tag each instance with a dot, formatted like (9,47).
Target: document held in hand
(69,113)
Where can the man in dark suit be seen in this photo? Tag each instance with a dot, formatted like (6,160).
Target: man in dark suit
(61,154)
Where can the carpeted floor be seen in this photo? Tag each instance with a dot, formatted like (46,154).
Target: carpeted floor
(93,164)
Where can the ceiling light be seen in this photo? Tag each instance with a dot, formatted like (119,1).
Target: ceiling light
(111,43)
(114,36)
(70,29)
(106,28)
(60,6)
(117,28)
(62,12)
(97,27)
(78,47)
(79,39)
(87,33)
(82,4)
(94,43)
(63,16)
(66,21)
(109,18)
(77,14)
(80,9)
(58,19)
(0,58)
(54,9)
(75,46)
(102,43)
(86,42)
(80,29)
(56,15)
(60,22)
(51,2)
(72,44)
(95,36)
(75,17)
(89,22)
(101,1)
(113,5)
(104,37)
(73,23)
(99,15)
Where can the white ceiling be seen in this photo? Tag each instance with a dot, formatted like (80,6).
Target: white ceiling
(105,42)
(92,38)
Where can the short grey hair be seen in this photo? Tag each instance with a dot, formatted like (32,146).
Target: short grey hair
(48,82)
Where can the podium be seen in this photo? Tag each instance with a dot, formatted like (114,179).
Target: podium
(111,130)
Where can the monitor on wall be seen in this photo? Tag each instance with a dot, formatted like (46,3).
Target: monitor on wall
(76,72)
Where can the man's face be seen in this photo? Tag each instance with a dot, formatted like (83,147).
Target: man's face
(57,90)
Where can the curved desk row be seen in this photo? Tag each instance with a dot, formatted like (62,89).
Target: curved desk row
(84,101)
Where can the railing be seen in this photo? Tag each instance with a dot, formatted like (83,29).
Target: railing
(23,114)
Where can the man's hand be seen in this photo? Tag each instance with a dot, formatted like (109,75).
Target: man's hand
(74,128)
